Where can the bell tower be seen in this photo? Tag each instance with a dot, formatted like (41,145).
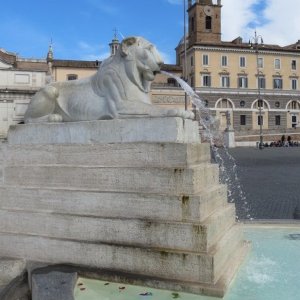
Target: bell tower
(204,21)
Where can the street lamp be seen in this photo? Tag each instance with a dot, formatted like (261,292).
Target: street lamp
(185,60)
(254,42)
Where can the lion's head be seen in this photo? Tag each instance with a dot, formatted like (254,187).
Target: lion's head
(142,61)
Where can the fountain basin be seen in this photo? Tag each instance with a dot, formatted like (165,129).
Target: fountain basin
(270,272)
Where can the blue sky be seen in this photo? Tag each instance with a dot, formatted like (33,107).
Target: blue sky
(82,29)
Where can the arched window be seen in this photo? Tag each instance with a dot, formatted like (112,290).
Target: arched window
(261,104)
(208,22)
(225,104)
(294,105)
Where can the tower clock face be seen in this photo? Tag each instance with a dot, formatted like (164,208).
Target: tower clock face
(208,10)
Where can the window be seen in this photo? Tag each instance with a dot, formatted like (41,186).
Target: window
(206,103)
(259,103)
(260,62)
(205,60)
(225,81)
(224,103)
(192,81)
(242,103)
(171,81)
(243,119)
(261,82)
(208,22)
(277,63)
(224,61)
(243,82)
(294,84)
(260,120)
(242,62)
(294,122)
(193,24)
(294,105)
(72,76)
(294,64)
(277,83)
(277,104)
(206,80)
(277,120)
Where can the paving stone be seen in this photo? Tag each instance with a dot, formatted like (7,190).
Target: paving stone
(53,286)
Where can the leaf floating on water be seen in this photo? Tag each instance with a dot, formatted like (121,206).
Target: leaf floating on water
(106,283)
(79,284)
(146,294)
(82,289)
(121,287)
(175,295)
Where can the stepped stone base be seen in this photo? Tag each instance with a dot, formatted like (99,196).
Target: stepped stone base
(136,199)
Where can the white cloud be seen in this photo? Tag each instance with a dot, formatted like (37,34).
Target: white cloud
(283,26)
(167,59)
(278,23)
(236,16)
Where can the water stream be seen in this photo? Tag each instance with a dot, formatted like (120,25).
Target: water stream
(210,132)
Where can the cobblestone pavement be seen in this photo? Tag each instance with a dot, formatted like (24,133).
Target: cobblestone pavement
(270,180)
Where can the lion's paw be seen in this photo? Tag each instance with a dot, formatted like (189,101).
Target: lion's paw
(55,118)
(185,114)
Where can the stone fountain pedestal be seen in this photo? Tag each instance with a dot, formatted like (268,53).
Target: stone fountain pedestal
(137,199)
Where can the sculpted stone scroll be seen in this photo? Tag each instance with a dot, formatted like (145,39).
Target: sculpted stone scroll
(119,89)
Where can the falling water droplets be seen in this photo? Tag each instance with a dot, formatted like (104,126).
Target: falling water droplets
(211,133)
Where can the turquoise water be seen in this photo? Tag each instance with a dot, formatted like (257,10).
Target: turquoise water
(270,272)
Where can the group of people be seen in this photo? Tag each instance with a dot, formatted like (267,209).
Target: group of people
(283,142)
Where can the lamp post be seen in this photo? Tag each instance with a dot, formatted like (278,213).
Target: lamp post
(254,43)
(185,60)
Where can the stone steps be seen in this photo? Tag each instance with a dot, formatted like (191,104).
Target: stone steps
(194,208)
(120,155)
(171,181)
(185,266)
(141,233)
(104,195)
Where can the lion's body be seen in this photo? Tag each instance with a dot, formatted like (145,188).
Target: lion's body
(120,88)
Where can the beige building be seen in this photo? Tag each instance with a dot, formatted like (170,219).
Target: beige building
(229,76)
(19,80)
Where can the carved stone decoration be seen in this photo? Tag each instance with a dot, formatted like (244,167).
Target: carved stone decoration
(168,99)
(120,89)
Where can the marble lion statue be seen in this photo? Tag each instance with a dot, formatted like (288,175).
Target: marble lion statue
(119,89)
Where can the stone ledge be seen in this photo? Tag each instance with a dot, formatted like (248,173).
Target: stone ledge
(120,155)
(173,130)
(104,204)
(172,265)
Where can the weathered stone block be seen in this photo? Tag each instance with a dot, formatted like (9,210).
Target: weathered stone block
(187,208)
(162,263)
(109,155)
(53,286)
(134,232)
(171,181)
(173,130)
(10,268)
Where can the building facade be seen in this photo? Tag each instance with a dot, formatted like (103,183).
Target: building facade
(20,79)
(231,77)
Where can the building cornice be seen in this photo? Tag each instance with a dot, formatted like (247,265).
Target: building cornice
(262,51)
(247,92)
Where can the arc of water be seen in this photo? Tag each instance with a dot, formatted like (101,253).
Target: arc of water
(209,122)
